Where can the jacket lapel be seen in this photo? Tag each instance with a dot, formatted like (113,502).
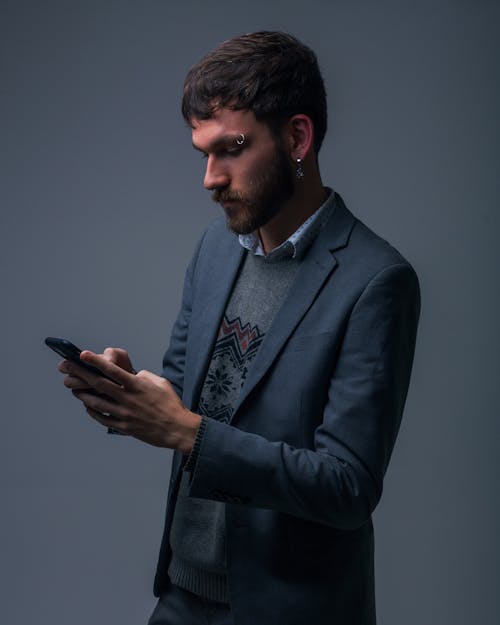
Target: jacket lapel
(219,272)
(317,265)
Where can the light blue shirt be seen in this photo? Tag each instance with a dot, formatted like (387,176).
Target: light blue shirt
(298,242)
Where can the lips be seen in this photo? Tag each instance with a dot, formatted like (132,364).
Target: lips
(228,201)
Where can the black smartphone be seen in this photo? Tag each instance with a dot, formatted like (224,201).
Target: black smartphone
(68,350)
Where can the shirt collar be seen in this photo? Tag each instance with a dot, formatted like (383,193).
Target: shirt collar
(298,242)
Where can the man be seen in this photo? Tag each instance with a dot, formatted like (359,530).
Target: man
(288,365)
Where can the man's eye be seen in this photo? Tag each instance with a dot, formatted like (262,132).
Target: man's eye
(231,151)
(234,151)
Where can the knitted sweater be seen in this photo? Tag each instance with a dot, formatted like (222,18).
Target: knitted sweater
(198,530)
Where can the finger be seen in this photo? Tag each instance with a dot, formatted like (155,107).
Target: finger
(107,420)
(100,403)
(74,375)
(76,370)
(75,383)
(63,366)
(119,357)
(94,381)
(116,373)
(97,415)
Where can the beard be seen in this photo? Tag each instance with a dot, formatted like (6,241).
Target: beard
(268,190)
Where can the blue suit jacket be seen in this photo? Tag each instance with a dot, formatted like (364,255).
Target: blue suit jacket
(302,462)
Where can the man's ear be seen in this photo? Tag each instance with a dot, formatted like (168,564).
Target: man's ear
(299,135)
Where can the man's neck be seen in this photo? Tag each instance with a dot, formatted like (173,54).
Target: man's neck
(306,201)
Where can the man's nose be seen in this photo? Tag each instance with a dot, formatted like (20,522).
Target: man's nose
(216,175)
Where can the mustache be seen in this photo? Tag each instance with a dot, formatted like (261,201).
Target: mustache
(224,195)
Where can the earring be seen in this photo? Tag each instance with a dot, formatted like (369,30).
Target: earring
(299,172)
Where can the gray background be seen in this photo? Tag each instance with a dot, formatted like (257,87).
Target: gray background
(101,204)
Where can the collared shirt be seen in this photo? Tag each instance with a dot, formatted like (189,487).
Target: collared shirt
(298,242)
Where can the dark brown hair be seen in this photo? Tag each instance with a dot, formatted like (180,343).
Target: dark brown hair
(270,73)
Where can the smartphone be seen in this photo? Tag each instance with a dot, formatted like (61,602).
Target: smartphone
(68,350)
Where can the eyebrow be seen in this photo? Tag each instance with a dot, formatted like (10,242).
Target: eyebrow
(223,141)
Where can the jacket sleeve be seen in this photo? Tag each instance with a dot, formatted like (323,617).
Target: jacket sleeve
(339,481)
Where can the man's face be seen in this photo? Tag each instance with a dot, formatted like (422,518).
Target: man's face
(248,169)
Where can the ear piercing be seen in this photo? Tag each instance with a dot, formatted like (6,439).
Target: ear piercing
(299,172)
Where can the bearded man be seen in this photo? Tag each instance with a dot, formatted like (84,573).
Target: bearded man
(288,366)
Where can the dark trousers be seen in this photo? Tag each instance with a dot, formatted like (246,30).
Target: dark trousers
(180,607)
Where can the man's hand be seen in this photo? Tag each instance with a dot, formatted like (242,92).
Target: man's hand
(143,405)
